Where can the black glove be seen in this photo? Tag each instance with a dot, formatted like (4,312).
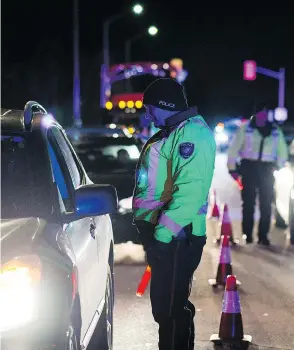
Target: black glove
(158,251)
(235,175)
(146,232)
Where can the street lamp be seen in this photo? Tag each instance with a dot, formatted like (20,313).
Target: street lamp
(152,30)
(137,10)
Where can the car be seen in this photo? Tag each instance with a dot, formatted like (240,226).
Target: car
(284,195)
(111,159)
(225,131)
(113,130)
(56,282)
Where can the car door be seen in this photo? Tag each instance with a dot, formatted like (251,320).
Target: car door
(82,233)
(99,230)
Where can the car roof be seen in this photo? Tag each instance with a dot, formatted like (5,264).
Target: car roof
(33,117)
(235,121)
(101,131)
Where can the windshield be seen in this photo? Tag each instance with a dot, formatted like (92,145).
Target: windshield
(23,183)
(231,128)
(107,154)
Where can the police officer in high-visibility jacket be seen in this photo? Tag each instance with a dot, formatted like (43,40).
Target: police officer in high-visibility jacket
(260,146)
(174,175)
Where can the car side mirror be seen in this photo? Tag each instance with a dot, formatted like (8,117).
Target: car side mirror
(94,200)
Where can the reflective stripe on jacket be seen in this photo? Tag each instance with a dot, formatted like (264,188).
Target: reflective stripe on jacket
(248,143)
(173,179)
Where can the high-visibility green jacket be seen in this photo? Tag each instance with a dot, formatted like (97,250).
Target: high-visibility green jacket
(248,143)
(174,175)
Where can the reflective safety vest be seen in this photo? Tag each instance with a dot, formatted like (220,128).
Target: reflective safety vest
(174,175)
(249,144)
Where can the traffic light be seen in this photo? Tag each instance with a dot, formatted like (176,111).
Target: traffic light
(249,70)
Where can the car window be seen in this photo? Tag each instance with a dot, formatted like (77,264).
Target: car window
(108,154)
(59,178)
(76,172)
(25,177)
(232,128)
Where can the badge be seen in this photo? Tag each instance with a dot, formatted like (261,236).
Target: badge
(186,149)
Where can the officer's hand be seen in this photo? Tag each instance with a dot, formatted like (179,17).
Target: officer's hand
(146,233)
(234,175)
(147,242)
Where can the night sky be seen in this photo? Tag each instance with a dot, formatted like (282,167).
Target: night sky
(212,37)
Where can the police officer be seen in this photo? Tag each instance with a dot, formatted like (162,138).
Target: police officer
(261,147)
(173,177)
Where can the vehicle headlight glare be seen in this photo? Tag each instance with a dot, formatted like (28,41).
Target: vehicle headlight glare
(125,205)
(221,137)
(19,279)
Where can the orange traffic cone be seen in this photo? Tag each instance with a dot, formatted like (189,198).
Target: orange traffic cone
(213,211)
(225,225)
(224,266)
(231,324)
(144,281)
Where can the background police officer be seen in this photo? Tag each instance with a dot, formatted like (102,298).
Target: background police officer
(261,147)
(174,175)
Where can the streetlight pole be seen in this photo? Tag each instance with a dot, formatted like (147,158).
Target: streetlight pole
(76,64)
(106,26)
(282,78)
(105,80)
(128,47)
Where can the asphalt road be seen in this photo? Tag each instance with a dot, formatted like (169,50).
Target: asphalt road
(266,291)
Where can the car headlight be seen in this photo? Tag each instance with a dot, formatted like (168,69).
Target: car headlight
(125,205)
(19,281)
(221,137)
(284,177)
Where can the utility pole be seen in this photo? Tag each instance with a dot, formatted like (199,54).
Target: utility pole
(76,64)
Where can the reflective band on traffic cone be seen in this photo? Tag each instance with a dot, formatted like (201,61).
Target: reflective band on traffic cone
(213,211)
(224,267)
(231,324)
(225,225)
(144,281)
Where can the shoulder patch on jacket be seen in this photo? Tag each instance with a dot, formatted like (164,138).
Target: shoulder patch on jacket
(186,149)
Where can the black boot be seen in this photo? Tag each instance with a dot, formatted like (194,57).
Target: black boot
(249,239)
(264,241)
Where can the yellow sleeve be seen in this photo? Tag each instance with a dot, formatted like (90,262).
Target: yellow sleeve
(235,147)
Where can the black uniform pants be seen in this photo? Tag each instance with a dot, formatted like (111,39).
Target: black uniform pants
(257,177)
(172,268)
